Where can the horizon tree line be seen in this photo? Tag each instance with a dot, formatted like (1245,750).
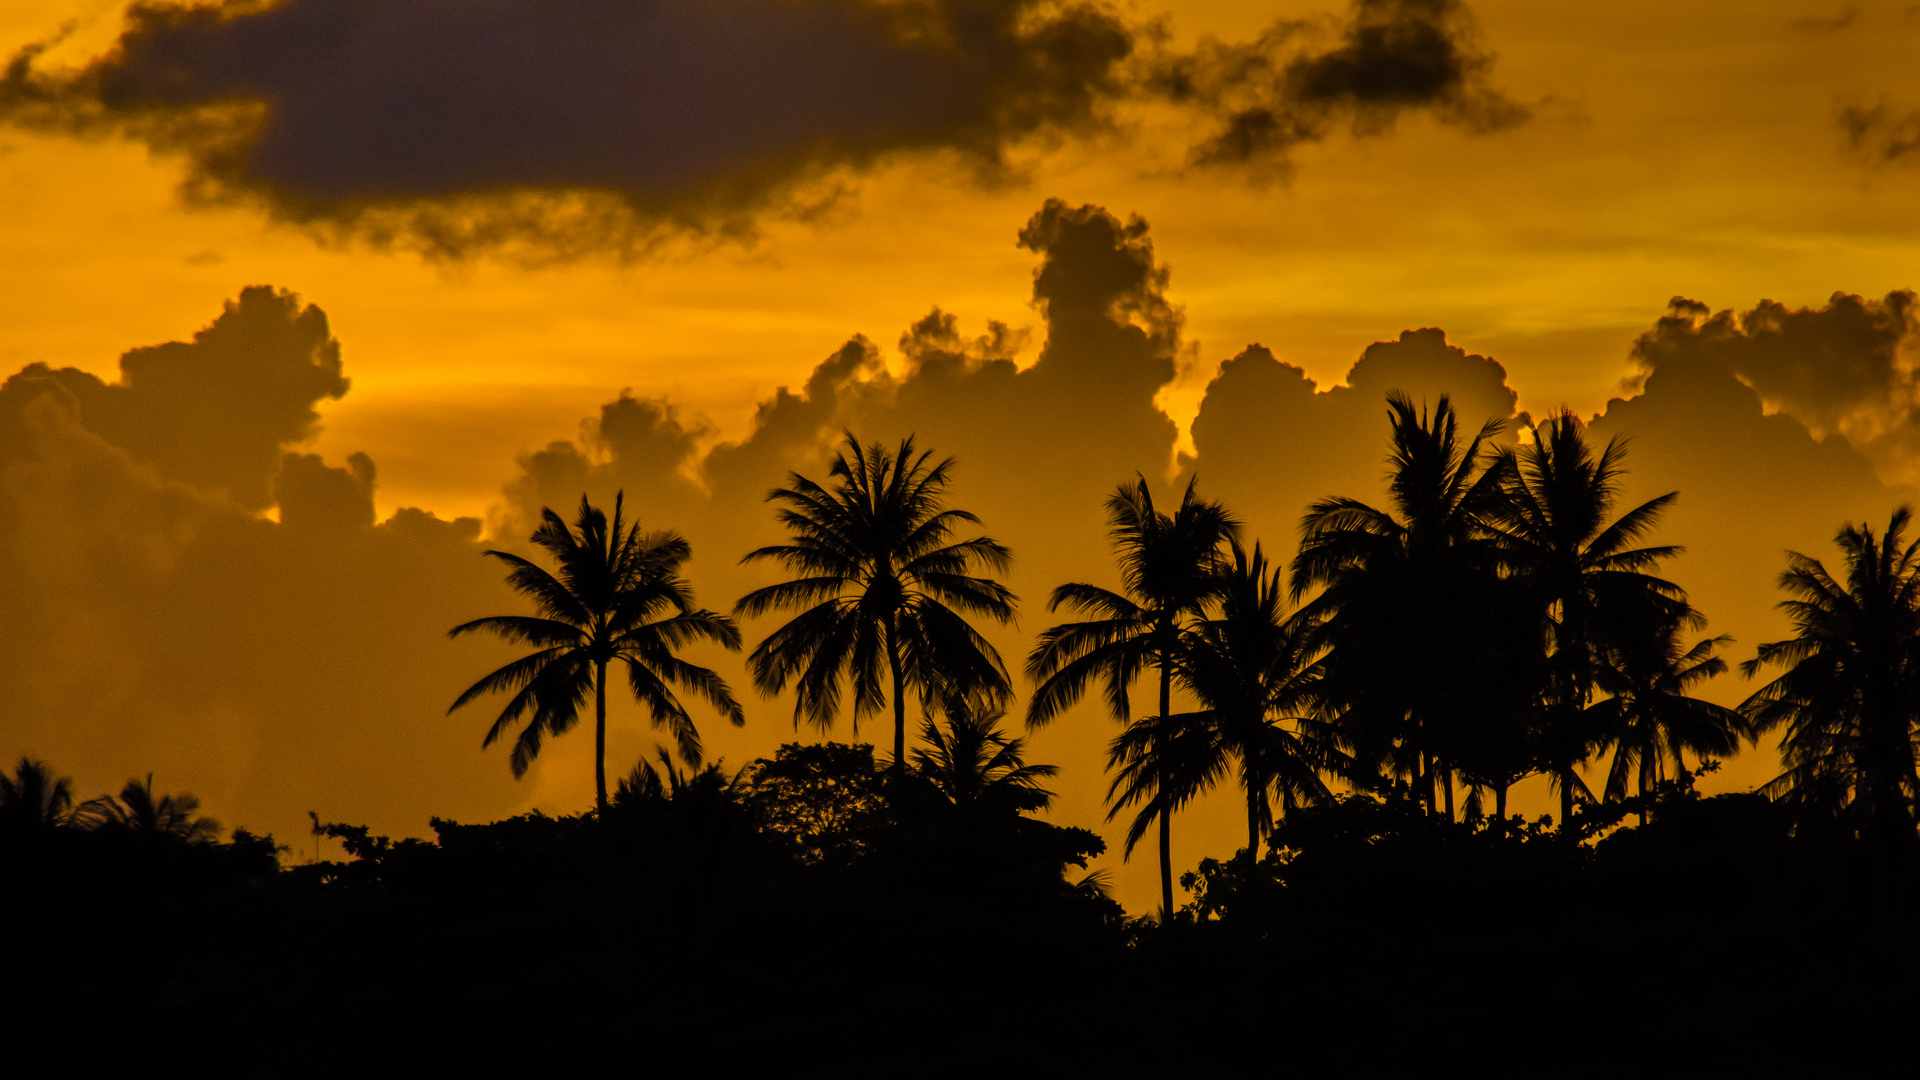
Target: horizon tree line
(1494,620)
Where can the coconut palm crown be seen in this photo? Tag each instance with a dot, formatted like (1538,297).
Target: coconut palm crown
(1850,694)
(617,595)
(884,593)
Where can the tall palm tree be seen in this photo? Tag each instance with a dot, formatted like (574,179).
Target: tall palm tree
(1652,714)
(618,595)
(1170,570)
(1850,694)
(35,798)
(1255,674)
(886,590)
(973,765)
(1402,590)
(137,809)
(1160,764)
(1594,581)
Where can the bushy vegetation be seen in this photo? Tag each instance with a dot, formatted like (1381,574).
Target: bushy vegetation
(828,912)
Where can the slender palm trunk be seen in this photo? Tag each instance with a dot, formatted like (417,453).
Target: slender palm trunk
(1253,823)
(1566,797)
(1446,785)
(600,735)
(1500,806)
(899,702)
(1166,811)
(1643,790)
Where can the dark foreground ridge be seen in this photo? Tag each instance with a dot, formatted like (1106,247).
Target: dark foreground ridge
(816,915)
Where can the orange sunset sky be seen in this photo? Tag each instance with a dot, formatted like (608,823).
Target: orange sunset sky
(675,248)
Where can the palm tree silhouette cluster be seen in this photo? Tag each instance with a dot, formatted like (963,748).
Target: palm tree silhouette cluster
(1373,701)
(1495,619)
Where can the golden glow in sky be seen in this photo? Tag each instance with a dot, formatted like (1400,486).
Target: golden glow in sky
(1590,163)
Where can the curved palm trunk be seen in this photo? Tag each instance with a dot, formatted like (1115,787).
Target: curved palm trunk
(600,735)
(1166,812)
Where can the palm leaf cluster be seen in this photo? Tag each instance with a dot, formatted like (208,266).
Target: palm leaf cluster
(617,595)
(34,798)
(1850,695)
(884,589)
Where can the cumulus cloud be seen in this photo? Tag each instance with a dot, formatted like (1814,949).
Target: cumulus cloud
(158,619)
(154,619)
(556,127)
(1299,80)
(1846,368)
(214,412)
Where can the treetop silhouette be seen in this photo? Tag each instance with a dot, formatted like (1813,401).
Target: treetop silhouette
(617,595)
(885,591)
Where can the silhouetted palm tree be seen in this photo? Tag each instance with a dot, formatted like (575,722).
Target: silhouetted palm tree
(1850,695)
(1170,569)
(885,588)
(137,809)
(1652,714)
(1253,670)
(973,765)
(1160,764)
(618,596)
(1594,582)
(1402,591)
(33,797)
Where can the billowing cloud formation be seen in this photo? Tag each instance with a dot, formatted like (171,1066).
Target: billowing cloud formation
(152,620)
(214,413)
(1291,86)
(566,125)
(1846,368)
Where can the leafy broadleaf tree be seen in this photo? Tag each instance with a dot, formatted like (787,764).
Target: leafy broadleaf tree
(1850,695)
(617,596)
(885,592)
(1591,575)
(1402,590)
(1170,569)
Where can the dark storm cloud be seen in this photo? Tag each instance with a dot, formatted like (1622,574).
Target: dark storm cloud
(1292,85)
(563,126)
(1881,133)
(396,115)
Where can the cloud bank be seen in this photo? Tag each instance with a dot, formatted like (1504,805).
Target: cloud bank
(193,593)
(565,126)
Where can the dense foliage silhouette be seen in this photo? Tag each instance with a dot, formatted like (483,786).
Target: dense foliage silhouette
(827,912)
